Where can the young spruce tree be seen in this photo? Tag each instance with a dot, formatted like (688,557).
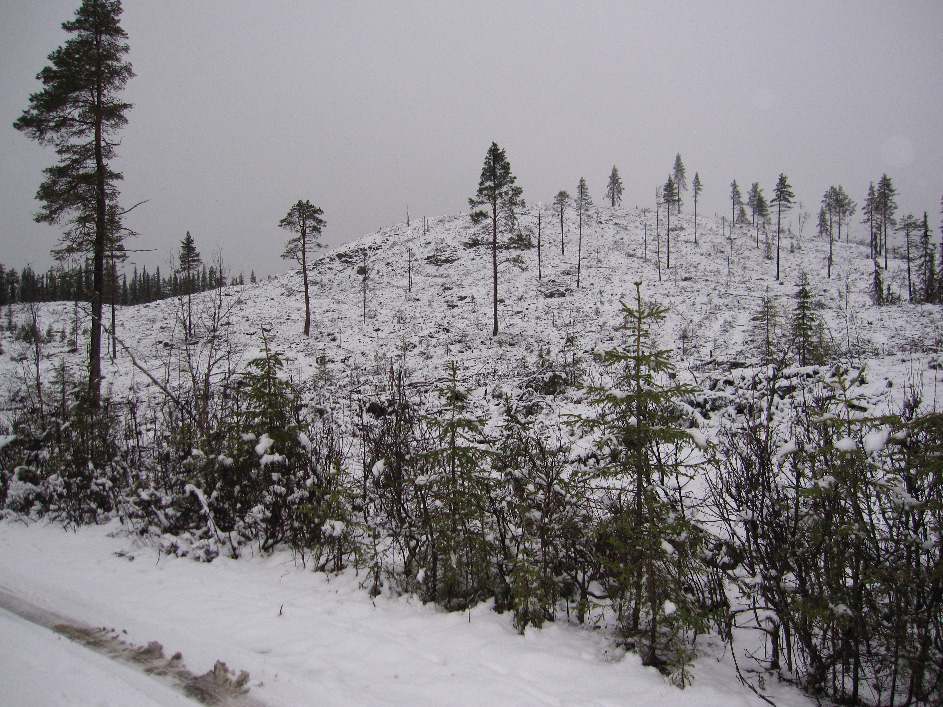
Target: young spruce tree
(648,545)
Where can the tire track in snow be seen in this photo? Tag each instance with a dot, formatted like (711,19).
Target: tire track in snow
(219,686)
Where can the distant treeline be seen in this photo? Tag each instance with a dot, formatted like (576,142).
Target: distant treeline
(75,284)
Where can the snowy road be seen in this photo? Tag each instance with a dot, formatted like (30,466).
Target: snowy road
(304,638)
(40,667)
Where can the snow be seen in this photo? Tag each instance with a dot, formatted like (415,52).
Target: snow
(39,667)
(303,637)
(301,634)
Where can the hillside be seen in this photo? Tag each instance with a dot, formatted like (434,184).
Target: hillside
(711,296)
(390,313)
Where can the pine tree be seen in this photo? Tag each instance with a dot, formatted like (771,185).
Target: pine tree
(304,220)
(670,195)
(78,112)
(782,199)
(886,208)
(762,218)
(188,265)
(877,286)
(583,202)
(680,180)
(908,225)
(736,202)
(497,190)
(759,208)
(614,188)
(696,185)
(560,201)
(252,279)
(751,202)
(829,209)
(927,264)
(869,211)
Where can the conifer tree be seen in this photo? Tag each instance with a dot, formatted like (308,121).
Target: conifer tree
(649,548)
(614,188)
(751,202)
(496,189)
(927,264)
(78,112)
(188,264)
(869,212)
(680,180)
(560,201)
(765,331)
(670,196)
(697,188)
(805,326)
(908,225)
(583,202)
(782,199)
(736,202)
(877,286)
(886,208)
(304,220)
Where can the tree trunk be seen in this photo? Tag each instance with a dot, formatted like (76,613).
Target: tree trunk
(98,254)
(304,276)
(494,261)
(579,249)
(562,241)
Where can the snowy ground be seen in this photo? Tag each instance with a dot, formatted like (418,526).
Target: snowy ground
(308,638)
(304,638)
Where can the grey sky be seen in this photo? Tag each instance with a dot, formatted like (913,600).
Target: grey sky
(242,107)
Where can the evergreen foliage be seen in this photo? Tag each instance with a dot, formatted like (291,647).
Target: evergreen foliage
(497,190)
(697,189)
(649,548)
(188,265)
(885,207)
(78,112)
(304,220)
(670,195)
(614,188)
(583,202)
(561,200)
(736,202)
(805,330)
(782,200)
(680,180)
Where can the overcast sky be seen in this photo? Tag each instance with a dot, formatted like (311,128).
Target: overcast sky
(242,107)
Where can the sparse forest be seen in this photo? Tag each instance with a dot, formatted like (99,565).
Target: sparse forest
(740,454)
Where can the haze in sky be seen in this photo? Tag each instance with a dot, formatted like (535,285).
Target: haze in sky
(369,108)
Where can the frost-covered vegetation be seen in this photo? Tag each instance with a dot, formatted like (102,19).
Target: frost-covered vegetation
(710,454)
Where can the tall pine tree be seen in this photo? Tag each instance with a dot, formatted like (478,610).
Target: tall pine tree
(680,180)
(560,201)
(583,202)
(304,220)
(697,188)
(496,190)
(614,188)
(782,200)
(78,112)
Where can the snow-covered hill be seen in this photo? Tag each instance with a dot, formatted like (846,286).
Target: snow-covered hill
(415,297)
(426,300)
